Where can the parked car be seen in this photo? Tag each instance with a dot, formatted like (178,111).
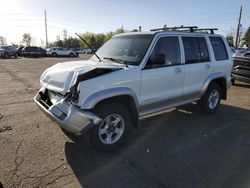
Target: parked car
(132,76)
(57,51)
(9,51)
(81,51)
(2,53)
(33,51)
(20,50)
(241,67)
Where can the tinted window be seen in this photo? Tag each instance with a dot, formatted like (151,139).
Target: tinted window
(204,55)
(219,48)
(168,46)
(195,50)
(27,49)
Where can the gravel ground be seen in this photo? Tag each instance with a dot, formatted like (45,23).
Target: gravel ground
(178,148)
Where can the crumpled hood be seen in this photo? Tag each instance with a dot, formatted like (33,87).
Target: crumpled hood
(62,76)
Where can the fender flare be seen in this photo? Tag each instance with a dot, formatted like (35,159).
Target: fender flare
(209,79)
(95,98)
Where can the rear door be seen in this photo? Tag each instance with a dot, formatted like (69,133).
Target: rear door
(222,62)
(197,64)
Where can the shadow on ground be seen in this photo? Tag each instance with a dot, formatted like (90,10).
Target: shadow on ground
(242,84)
(180,148)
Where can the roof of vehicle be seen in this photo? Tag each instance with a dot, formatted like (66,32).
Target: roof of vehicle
(167,32)
(176,30)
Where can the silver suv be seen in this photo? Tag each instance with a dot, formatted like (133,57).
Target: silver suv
(57,51)
(132,76)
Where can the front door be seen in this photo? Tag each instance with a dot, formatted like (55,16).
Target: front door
(162,77)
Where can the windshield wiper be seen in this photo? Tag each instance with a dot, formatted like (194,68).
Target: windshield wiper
(117,60)
(89,47)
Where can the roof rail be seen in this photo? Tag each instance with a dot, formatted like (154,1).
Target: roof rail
(206,29)
(191,28)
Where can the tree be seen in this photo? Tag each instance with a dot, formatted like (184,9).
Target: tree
(59,43)
(230,40)
(108,36)
(247,37)
(26,39)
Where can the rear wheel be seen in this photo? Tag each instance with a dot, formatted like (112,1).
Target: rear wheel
(71,55)
(54,54)
(114,128)
(211,99)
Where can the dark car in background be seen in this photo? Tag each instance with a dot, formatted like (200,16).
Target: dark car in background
(241,67)
(33,51)
(20,50)
(8,51)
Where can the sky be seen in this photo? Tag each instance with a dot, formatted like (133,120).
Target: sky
(101,16)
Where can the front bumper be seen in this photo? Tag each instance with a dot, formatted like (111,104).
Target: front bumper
(67,115)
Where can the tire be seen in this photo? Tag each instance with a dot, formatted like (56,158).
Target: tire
(71,55)
(233,81)
(15,56)
(54,54)
(5,55)
(211,99)
(114,128)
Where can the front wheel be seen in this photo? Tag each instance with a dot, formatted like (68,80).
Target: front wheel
(211,99)
(5,55)
(114,128)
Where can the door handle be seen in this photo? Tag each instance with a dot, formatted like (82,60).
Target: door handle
(177,70)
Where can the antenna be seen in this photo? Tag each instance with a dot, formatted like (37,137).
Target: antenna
(89,46)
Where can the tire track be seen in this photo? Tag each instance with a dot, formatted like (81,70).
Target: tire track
(17,78)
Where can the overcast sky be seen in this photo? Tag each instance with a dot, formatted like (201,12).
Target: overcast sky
(100,16)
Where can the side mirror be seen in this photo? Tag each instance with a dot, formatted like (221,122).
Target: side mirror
(157,59)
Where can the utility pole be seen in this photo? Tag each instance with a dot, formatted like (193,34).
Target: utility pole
(45,16)
(238,30)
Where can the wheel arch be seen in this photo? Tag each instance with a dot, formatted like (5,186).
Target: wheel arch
(218,78)
(125,96)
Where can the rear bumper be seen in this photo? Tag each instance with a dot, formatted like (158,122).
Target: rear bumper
(68,116)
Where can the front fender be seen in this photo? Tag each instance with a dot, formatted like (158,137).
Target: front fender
(93,99)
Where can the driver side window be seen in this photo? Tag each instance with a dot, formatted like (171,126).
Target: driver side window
(166,53)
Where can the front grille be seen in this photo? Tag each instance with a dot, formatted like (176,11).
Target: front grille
(242,63)
(45,99)
(48,98)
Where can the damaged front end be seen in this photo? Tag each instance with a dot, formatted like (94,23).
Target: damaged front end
(59,95)
(67,115)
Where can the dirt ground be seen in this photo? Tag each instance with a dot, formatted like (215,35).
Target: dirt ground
(179,148)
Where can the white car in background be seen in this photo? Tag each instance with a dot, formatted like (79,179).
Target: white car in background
(58,51)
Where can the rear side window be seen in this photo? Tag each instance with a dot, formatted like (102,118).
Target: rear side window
(196,50)
(219,48)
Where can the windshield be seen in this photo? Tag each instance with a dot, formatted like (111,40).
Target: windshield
(128,48)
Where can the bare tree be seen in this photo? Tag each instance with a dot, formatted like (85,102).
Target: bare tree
(26,39)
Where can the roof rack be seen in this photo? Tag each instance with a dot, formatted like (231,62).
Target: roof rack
(186,29)
(206,29)
(191,28)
